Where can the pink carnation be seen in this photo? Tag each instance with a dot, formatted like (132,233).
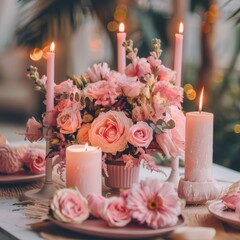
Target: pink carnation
(95,204)
(154,202)
(68,205)
(34,130)
(98,72)
(115,212)
(140,134)
(109,131)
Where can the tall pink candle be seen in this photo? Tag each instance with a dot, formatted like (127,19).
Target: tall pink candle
(199,145)
(178,54)
(50,84)
(84,168)
(121,37)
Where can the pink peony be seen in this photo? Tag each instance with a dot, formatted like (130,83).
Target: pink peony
(131,87)
(33,130)
(109,131)
(95,204)
(83,134)
(154,202)
(140,134)
(9,159)
(139,67)
(34,160)
(98,72)
(115,212)
(69,120)
(104,92)
(68,205)
(172,141)
(232,200)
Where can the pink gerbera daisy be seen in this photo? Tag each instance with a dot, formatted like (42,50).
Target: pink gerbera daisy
(154,202)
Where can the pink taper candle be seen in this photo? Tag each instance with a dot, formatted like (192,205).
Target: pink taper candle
(121,37)
(199,145)
(50,85)
(84,169)
(178,54)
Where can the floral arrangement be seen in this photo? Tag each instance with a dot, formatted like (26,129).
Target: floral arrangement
(127,115)
(15,159)
(149,202)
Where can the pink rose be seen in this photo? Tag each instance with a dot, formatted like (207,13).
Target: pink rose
(140,134)
(131,87)
(232,200)
(109,131)
(34,160)
(69,120)
(68,205)
(95,204)
(172,141)
(33,130)
(98,72)
(63,103)
(139,67)
(83,134)
(115,212)
(64,87)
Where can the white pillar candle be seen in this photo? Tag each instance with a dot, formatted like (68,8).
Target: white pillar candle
(178,54)
(121,37)
(50,85)
(199,145)
(84,169)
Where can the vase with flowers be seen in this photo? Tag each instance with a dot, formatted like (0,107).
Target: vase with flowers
(128,115)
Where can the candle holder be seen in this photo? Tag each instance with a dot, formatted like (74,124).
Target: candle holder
(48,188)
(174,176)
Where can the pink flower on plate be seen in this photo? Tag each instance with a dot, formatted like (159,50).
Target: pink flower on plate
(172,141)
(154,202)
(68,205)
(139,67)
(109,131)
(69,120)
(33,130)
(98,72)
(140,134)
(95,204)
(231,200)
(83,134)
(115,212)
(34,160)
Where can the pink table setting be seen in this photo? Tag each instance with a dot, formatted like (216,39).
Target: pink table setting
(88,169)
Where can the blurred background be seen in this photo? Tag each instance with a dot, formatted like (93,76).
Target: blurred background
(84,32)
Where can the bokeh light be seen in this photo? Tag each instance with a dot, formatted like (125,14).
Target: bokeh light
(112,26)
(236,128)
(191,94)
(36,54)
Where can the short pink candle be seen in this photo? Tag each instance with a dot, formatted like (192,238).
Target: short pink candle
(121,37)
(178,54)
(84,169)
(50,85)
(199,145)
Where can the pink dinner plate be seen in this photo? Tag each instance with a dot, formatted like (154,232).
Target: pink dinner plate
(97,227)
(218,210)
(20,177)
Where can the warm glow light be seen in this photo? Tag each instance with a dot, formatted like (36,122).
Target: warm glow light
(201,101)
(86,147)
(121,27)
(36,54)
(52,47)
(181,27)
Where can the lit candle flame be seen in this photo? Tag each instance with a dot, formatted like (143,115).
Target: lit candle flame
(181,27)
(52,47)
(121,27)
(201,101)
(86,147)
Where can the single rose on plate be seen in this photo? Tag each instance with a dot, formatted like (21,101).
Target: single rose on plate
(231,200)
(68,205)
(33,130)
(95,204)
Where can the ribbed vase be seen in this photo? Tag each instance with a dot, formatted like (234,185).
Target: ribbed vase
(119,177)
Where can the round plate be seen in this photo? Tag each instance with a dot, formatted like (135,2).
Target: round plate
(219,210)
(97,227)
(20,177)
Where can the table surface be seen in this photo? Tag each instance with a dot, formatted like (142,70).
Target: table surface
(14,224)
